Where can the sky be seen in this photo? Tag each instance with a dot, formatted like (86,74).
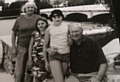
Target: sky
(10,1)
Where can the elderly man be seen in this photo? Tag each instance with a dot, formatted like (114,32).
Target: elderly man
(87,60)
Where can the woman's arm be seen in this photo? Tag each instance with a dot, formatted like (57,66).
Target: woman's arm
(30,49)
(14,39)
(14,35)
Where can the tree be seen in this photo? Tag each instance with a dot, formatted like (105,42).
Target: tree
(80,2)
(5,6)
(1,3)
(17,4)
(42,5)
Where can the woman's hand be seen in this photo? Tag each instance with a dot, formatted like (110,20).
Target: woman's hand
(14,51)
(29,64)
(52,51)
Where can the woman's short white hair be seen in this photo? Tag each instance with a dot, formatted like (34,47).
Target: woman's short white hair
(23,9)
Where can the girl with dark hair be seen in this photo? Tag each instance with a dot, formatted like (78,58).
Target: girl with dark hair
(35,64)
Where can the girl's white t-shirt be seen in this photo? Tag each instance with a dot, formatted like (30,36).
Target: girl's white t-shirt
(59,38)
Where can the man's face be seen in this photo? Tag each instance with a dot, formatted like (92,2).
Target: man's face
(76,33)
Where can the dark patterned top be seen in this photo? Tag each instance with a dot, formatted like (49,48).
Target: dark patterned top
(38,68)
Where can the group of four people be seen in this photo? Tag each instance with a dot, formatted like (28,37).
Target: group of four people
(49,52)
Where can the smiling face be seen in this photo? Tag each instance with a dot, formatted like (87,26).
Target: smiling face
(41,25)
(76,32)
(57,19)
(30,9)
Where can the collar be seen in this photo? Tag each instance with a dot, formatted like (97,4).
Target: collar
(83,40)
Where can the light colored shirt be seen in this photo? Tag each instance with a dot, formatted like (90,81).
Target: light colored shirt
(59,38)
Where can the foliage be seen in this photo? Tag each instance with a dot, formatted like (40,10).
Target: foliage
(1,3)
(42,5)
(17,4)
(80,2)
(5,6)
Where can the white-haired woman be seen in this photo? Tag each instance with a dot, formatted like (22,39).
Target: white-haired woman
(22,29)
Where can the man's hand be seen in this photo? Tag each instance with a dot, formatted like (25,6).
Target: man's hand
(95,79)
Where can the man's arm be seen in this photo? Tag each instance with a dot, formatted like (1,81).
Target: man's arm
(101,60)
(102,70)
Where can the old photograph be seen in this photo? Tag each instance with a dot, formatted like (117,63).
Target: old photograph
(59,41)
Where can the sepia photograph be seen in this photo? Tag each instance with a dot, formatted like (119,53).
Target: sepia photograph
(59,40)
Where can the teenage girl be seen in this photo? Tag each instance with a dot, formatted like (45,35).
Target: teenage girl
(36,64)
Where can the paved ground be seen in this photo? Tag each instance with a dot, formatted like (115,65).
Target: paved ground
(4,77)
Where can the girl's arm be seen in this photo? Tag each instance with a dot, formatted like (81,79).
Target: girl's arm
(30,49)
(70,41)
(46,44)
(30,62)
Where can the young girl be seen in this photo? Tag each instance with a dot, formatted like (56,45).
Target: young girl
(35,62)
(56,37)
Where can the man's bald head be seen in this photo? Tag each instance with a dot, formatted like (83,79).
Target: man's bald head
(75,25)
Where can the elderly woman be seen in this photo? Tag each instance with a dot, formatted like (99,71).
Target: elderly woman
(22,29)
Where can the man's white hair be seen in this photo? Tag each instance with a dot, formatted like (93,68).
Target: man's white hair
(74,24)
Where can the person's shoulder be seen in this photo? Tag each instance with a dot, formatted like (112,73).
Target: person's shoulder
(50,26)
(47,30)
(87,38)
(20,17)
(37,16)
(91,40)
(64,23)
